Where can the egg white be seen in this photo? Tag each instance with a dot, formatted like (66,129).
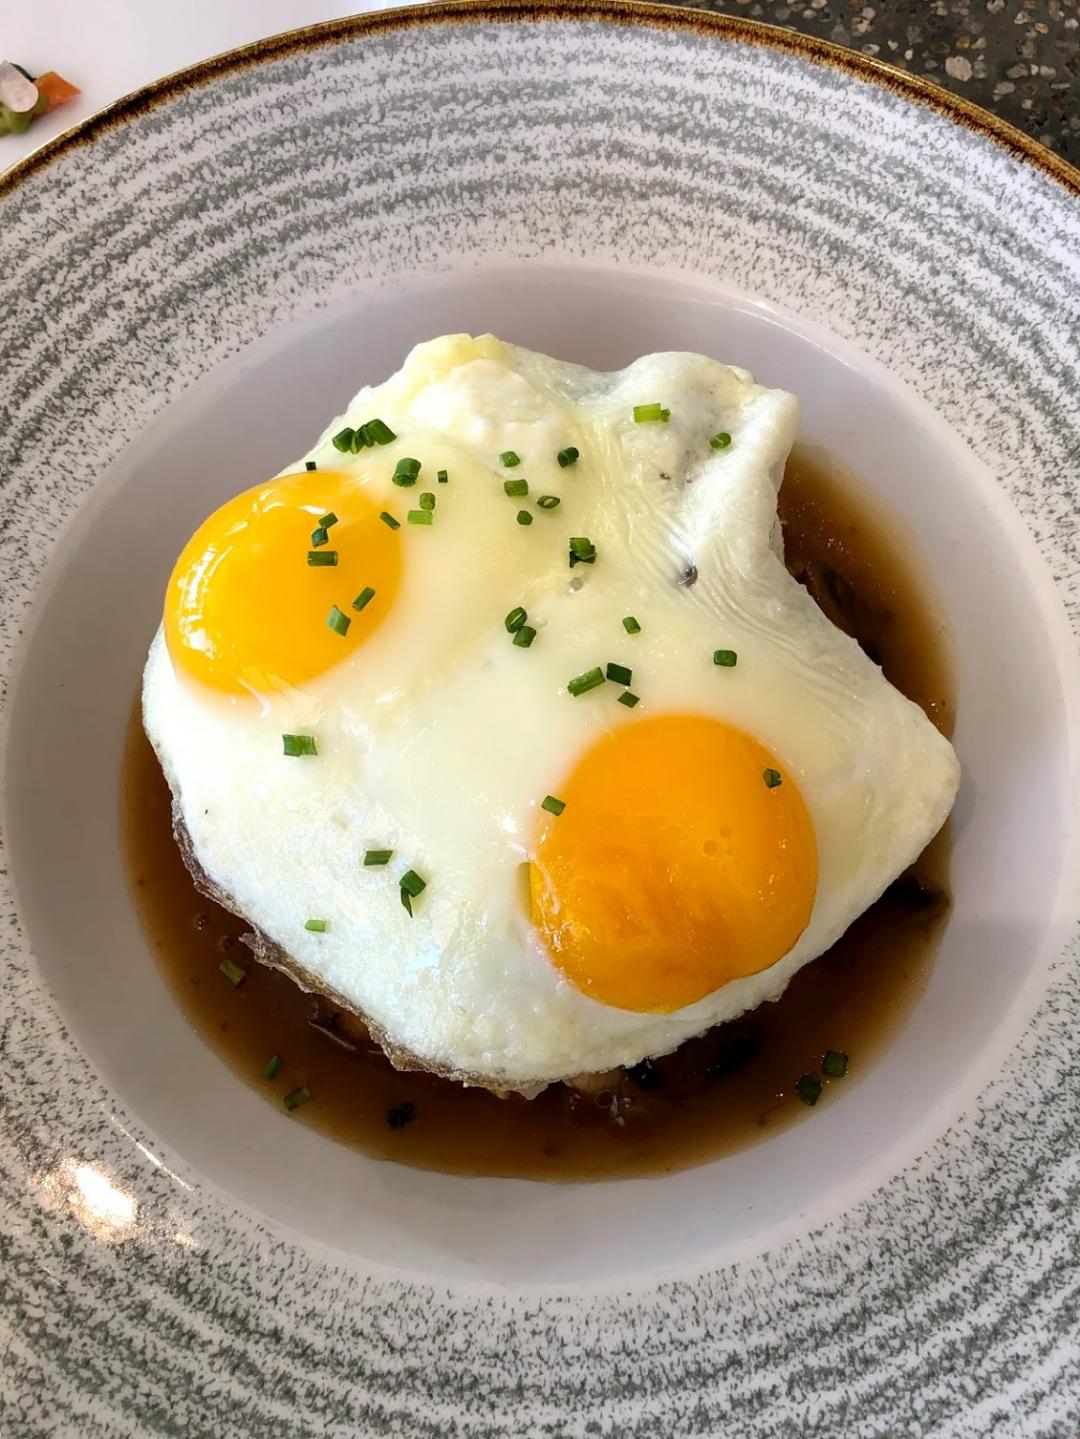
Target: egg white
(439,739)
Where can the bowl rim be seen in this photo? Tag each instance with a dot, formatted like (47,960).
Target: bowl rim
(956,108)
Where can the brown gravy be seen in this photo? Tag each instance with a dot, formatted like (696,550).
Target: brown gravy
(717,1093)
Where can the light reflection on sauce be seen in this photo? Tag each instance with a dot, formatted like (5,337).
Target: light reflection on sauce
(716,1094)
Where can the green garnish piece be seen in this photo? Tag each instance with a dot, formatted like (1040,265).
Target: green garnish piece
(509,458)
(298,1096)
(328,520)
(442,477)
(808,1088)
(427,500)
(299,744)
(516,487)
(629,700)
(420,517)
(772,778)
(515,619)
(232,972)
(322,559)
(406,471)
(411,886)
(548,502)
(720,441)
(649,414)
(317,926)
(524,518)
(569,456)
(378,856)
(343,440)
(271,1067)
(581,684)
(364,598)
(726,659)
(398,1115)
(389,520)
(379,433)
(582,551)
(619,673)
(310,465)
(524,637)
(630,625)
(553,805)
(319,537)
(338,622)
(835,1064)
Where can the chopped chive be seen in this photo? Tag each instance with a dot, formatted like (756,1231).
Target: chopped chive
(553,805)
(835,1064)
(271,1067)
(299,744)
(389,520)
(377,856)
(516,487)
(232,972)
(569,456)
(398,1115)
(427,500)
(328,520)
(319,537)
(808,1088)
(442,477)
(720,441)
(406,471)
(581,684)
(515,619)
(380,432)
(343,440)
(298,1096)
(310,465)
(619,673)
(524,637)
(419,517)
(524,518)
(726,659)
(629,699)
(322,559)
(548,502)
(582,551)
(360,441)
(772,778)
(648,414)
(630,625)
(509,458)
(338,622)
(364,598)
(317,926)
(411,886)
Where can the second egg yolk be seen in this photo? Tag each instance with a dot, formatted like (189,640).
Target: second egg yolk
(676,865)
(246,612)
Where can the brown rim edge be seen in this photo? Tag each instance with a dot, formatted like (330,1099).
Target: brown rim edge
(621,12)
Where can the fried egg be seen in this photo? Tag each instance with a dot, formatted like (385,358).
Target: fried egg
(500,719)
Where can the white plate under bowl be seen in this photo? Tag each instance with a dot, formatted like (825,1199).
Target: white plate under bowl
(196,287)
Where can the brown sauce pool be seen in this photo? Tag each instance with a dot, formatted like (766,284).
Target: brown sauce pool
(718,1093)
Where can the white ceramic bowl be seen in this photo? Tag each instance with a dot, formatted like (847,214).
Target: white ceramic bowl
(198,287)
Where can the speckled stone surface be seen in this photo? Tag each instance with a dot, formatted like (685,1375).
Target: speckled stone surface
(1018,58)
(137,1300)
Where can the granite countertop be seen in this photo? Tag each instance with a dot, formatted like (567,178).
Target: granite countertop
(1018,58)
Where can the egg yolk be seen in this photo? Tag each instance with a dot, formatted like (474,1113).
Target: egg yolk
(674,867)
(246,611)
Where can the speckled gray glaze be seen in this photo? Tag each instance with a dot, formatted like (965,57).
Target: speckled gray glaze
(945,1303)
